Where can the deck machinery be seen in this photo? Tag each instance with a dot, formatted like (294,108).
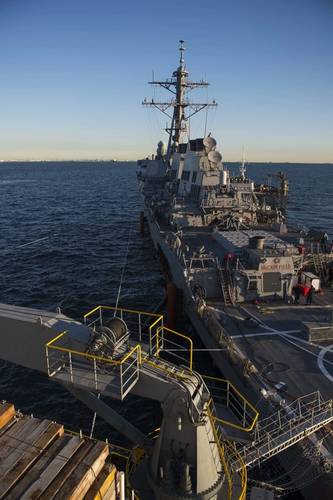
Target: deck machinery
(209,433)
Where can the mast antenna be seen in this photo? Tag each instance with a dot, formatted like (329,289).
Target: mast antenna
(182,50)
(182,107)
(242,168)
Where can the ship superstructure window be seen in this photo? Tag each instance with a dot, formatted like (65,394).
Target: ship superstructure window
(252,283)
(195,191)
(196,145)
(182,148)
(272,282)
(194,177)
(186,175)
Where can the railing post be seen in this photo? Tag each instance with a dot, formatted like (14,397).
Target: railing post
(47,360)
(70,366)
(100,316)
(140,332)
(228,390)
(95,374)
(150,335)
(121,381)
(138,361)
(244,413)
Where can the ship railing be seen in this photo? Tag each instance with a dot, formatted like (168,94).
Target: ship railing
(174,347)
(203,262)
(142,325)
(147,328)
(232,462)
(301,407)
(288,426)
(239,412)
(239,265)
(90,371)
(178,200)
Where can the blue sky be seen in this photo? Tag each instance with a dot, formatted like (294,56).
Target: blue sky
(73,74)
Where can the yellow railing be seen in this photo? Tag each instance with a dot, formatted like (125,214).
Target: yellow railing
(231,460)
(146,333)
(121,309)
(163,343)
(243,410)
(153,335)
(51,345)
(76,365)
(222,456)
(156,335)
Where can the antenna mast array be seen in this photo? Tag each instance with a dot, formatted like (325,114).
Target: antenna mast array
(179,85)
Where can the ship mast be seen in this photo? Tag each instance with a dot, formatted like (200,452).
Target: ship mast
(242,168)
(179,85)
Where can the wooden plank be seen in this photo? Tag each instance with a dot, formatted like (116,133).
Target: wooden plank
(17,445)
(71,466)
(48,455)
(9,424)
(85,474)
(54,468)
(45,433)
(111,493)
(104,483)
(10,441)
(15,431)
(7,413)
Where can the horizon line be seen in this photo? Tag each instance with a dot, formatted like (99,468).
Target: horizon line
(114,160)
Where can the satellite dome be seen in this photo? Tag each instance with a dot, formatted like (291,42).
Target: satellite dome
(209,143)
(214,157)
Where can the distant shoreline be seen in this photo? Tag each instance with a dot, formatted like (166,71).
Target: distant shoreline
(264,163)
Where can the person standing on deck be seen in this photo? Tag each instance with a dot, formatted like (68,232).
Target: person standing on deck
(309,296)
(297,293)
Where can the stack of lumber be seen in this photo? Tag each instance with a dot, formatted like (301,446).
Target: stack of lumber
(39,460)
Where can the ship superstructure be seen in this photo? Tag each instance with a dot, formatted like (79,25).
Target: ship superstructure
(190,172)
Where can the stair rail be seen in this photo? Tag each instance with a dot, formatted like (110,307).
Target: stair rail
(289,425)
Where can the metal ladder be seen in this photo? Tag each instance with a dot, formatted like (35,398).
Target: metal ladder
(318,265)
(225,286)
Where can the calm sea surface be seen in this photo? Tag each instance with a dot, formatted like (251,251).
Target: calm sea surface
(83,213)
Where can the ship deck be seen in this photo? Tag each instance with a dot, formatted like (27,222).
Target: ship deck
(275,339)
(39,459)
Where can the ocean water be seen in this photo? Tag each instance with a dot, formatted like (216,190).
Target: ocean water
(80,216)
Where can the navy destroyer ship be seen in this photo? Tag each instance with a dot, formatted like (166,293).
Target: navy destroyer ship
(256,289)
